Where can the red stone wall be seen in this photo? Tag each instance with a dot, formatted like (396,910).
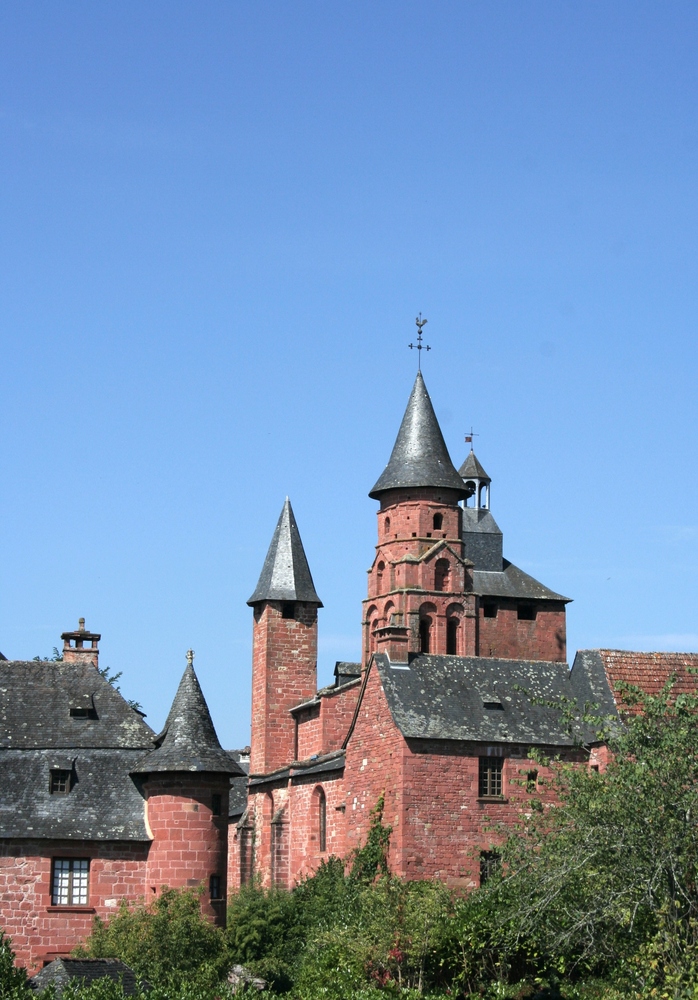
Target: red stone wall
(189,843)
(324,726)
(41,932)
(507,636)
(304,802)
(284,674)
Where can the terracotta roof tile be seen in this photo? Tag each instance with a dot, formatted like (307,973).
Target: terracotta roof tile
(650,671)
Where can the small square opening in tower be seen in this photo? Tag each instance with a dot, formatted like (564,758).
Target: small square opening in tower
(489,609)
(288,610)
(526,613)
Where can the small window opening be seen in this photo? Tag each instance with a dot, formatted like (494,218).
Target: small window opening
(380,568)
(425,635)
(288,610)
(322,819)
(216,804)
(595,767)
(414,534)
(493,706)
(531,781)
(215,885)
(59,783)
(438,522)
(70,881)
(83,713)
(452,637)
(489,865)
(491,777)
(386,525)
(441,574)
(526,613)
(489,610)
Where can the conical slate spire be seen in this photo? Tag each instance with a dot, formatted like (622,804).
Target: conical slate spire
(286,575)
(420,456)
(188,742)
(471,469)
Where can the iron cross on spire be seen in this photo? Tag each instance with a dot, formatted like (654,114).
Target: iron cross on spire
(469,437)
(419,345)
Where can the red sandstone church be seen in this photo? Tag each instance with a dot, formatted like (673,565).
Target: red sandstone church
(463,654)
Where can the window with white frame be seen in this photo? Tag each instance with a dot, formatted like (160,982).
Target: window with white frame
(70,881)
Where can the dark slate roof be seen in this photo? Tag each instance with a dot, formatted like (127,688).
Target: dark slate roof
(317,764)
(286,575)
(35,702)
(62,970)
(419,456)
(512,582)
(444,697)
(345,671)
(479,520)
(471,469)
(237,802)
(104,802)
(188,742)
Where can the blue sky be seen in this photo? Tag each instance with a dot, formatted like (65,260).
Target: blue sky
(217,224)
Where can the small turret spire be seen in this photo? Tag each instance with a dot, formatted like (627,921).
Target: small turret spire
(286,575)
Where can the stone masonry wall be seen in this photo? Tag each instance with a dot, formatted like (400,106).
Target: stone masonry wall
(41,932)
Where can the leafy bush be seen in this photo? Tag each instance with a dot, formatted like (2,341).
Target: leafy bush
(13,981)
(168,942)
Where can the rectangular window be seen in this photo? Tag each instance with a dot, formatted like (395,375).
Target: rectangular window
(490,777)
(526,613)
(489,610)
(216,886)
(216,804)
(83,713)
(70,881)
(489,864)
(59,782)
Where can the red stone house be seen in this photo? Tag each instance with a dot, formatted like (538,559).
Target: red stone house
(463,655)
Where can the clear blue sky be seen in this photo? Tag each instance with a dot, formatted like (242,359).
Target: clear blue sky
(217,223)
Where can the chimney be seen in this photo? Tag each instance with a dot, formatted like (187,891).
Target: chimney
(81,646)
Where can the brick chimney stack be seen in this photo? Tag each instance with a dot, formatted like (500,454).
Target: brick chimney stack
(76,648)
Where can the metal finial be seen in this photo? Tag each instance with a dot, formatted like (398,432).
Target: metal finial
(81,624)
(419,345)
(469,437)
(190,657)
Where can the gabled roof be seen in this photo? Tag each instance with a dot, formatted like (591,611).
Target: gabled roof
(471,469)
(445,698)
(189,741)
(512,582)
(35,702)
(286,575)
(420,456)
(648,671)
(62,970)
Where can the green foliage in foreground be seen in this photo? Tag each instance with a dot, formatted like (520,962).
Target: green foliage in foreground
(596,899)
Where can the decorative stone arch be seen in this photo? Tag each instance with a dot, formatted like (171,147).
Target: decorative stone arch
(371,624)
(388,610)
(319,818)
(280,854)
(442,574)
(454,629)
(427,627)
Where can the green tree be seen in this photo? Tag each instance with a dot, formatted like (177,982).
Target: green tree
(13,981)
(168,942)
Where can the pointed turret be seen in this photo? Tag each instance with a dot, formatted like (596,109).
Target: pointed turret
(476,482)
(188,741)
(472,469)
(420,456)
(286,575)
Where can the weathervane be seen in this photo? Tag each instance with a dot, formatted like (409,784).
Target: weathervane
(419,345)
(469,437)
(190,657)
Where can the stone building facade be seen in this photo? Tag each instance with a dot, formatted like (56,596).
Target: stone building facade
(463,660)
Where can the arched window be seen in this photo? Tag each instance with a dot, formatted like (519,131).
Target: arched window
(452,626)
(321,813)
(441,574)
(386,525)
(380,568)
(438,522)
(424,635)
(471,488)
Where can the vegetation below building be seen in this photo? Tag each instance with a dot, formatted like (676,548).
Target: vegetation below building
(595,899)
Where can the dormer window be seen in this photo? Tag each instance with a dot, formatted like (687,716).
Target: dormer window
(83,713)
(59,781)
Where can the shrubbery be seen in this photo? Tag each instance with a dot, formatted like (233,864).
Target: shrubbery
(596,896)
